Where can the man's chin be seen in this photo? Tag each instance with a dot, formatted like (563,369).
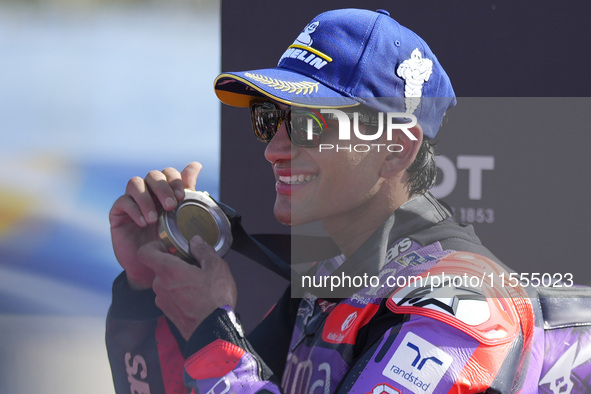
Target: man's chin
(290,217)
(286,218)
(289,220)
(282,214)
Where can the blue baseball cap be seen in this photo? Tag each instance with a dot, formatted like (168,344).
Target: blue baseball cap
(349,57)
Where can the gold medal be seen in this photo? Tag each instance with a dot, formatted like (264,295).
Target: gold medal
(197,214)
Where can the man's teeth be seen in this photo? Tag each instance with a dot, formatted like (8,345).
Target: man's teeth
(296,179)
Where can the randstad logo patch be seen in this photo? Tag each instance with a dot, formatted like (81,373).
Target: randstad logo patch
(302,49)
(417,364)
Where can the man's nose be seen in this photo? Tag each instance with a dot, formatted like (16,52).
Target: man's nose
(280,147)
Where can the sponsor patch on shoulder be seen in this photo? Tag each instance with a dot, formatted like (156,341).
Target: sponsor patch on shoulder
(467,304)
(414,258)
(417,364)
(457,291)
(399,248)
(343,323)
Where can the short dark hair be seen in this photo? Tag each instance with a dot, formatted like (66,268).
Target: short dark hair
(423,170)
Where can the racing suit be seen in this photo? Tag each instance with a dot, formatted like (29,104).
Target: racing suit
(430,331)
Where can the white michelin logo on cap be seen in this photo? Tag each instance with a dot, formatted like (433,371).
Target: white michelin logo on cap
(304,38)
(302,50)
(415,72)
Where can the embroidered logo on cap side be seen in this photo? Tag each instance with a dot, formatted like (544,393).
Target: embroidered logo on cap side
(305,38)
(415,72)
(302,50)
(303,87)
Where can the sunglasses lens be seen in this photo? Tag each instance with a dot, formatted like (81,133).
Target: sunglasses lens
(266,120)
(306,127)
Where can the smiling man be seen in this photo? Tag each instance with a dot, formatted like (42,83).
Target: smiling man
(415,302)
(315,185)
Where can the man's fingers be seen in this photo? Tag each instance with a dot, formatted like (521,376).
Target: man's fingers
(202,252)
(124,208)
(158,183)
(138,190)
(159,188)
(174,179)
(190,173)
(155,256)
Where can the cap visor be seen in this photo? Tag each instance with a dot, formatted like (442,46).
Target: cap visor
(239,89)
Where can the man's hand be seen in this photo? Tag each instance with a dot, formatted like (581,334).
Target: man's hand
(187,294)
(134,217)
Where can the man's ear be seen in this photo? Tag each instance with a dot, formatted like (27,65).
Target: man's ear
(407,150)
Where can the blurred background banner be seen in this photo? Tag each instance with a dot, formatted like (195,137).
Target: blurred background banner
(91,94)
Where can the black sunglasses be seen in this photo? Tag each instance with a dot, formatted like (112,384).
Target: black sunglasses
(304,126)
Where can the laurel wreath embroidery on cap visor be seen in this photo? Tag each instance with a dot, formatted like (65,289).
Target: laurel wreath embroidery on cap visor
(302,87)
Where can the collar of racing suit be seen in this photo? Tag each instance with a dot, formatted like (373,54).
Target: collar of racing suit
(419,213)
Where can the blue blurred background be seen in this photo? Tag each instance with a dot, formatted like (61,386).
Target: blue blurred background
(91,94)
